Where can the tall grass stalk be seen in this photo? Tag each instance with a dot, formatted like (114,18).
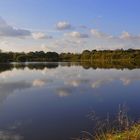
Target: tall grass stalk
(122,128)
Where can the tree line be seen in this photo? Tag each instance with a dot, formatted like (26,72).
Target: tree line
(86,55)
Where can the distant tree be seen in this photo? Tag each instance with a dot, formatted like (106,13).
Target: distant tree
(21,58)
(86,55)
(4,57)
(132,55)
(52,56)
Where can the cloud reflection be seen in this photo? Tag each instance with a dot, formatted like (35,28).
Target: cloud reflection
(63,79)
(38,83)
(63,92)
(76,82)
(100,83)
(8,88)
(7,135)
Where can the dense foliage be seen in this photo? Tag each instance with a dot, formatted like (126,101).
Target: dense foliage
(86,55)
(28,57)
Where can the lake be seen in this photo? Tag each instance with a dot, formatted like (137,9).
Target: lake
(51,101)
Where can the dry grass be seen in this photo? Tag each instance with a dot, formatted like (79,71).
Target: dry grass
(121,129)
(132,134)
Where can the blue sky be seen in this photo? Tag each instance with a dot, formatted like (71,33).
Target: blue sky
(69,25)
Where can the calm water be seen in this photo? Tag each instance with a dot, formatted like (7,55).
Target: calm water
(51,101)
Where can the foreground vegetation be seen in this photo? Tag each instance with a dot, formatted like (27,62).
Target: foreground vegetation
(120,129)
(129,55)
(132,133)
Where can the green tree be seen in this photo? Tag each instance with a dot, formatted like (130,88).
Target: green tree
(86,55)
(21,58)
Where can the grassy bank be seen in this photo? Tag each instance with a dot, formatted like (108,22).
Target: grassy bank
(120,128)
(133,133)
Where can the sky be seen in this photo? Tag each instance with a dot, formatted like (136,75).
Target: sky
(69,25)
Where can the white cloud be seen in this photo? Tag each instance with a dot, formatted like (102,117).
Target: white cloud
(9,31)
(77,35)
(72,41)
(46,48)
(98,34)
(104,40)
(126,35)
(122,37)
(40,35)
(63,25)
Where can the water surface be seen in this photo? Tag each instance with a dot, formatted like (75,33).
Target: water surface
(51,101)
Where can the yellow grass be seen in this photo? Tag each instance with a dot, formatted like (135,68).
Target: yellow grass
(132,134)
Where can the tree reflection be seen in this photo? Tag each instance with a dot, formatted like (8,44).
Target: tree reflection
(85,64)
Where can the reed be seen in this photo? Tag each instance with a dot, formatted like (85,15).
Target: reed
(122,128)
